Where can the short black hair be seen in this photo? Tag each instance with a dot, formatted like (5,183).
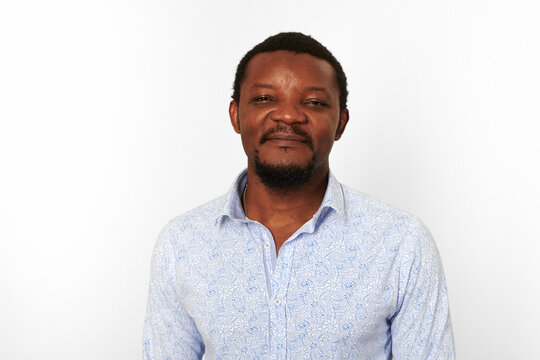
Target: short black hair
(297,43)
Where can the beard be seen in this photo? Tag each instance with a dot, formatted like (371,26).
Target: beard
(284,176)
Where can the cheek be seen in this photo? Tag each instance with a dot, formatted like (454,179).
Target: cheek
(251,127)
(326,134)
(250,136)
(327,143)
(324,140)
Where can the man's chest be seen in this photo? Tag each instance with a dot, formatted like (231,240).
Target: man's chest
(333,293)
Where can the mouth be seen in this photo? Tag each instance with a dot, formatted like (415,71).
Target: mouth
(286,140)
(286,137)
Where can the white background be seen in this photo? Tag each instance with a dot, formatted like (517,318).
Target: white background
(114,120)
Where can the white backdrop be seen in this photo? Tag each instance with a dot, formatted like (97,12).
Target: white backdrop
(114,119)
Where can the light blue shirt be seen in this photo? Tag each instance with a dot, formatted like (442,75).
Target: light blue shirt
(360,280)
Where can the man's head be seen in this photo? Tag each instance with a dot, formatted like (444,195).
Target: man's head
(289,107)
(297,43)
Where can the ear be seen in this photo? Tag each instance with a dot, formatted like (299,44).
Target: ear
(343,120)
(233,114)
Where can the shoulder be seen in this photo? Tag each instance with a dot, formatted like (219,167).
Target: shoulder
(372,210)
(192,224)
(389,223)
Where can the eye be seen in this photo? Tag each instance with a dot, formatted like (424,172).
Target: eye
(262,99)
(315,102)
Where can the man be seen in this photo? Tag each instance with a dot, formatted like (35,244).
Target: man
(290,264)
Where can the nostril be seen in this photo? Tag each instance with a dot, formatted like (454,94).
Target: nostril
(289,114)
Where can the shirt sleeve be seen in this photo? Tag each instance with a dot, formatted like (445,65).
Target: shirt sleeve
(421,327)
(169,331)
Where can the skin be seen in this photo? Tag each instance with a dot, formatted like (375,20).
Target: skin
(283,89)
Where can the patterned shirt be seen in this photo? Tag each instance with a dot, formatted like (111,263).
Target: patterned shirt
(360,280)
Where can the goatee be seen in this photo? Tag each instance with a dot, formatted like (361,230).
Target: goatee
(283,176)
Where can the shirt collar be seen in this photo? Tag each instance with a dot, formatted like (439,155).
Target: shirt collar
(232,206)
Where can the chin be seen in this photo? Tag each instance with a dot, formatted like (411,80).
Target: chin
(284,174)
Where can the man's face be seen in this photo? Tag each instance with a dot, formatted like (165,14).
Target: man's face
(288,115)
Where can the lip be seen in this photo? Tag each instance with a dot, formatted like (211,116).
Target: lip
(286,137)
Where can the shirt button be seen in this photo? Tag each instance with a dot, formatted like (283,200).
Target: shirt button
(277,302)
(267,245)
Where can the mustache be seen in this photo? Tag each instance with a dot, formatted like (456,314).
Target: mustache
(282,129)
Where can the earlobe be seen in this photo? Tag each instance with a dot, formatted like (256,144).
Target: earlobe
(343,120)
(233,115)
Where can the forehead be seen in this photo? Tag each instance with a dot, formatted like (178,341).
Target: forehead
(275,66)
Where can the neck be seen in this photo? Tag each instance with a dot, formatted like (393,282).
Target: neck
(296,205)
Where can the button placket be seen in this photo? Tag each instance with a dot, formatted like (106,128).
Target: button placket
(279,273)
(282,275)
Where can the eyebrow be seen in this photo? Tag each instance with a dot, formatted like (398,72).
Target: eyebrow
(316,88)
(270,86)
(264,86)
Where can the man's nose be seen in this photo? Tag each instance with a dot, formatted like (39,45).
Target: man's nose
(288,112)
